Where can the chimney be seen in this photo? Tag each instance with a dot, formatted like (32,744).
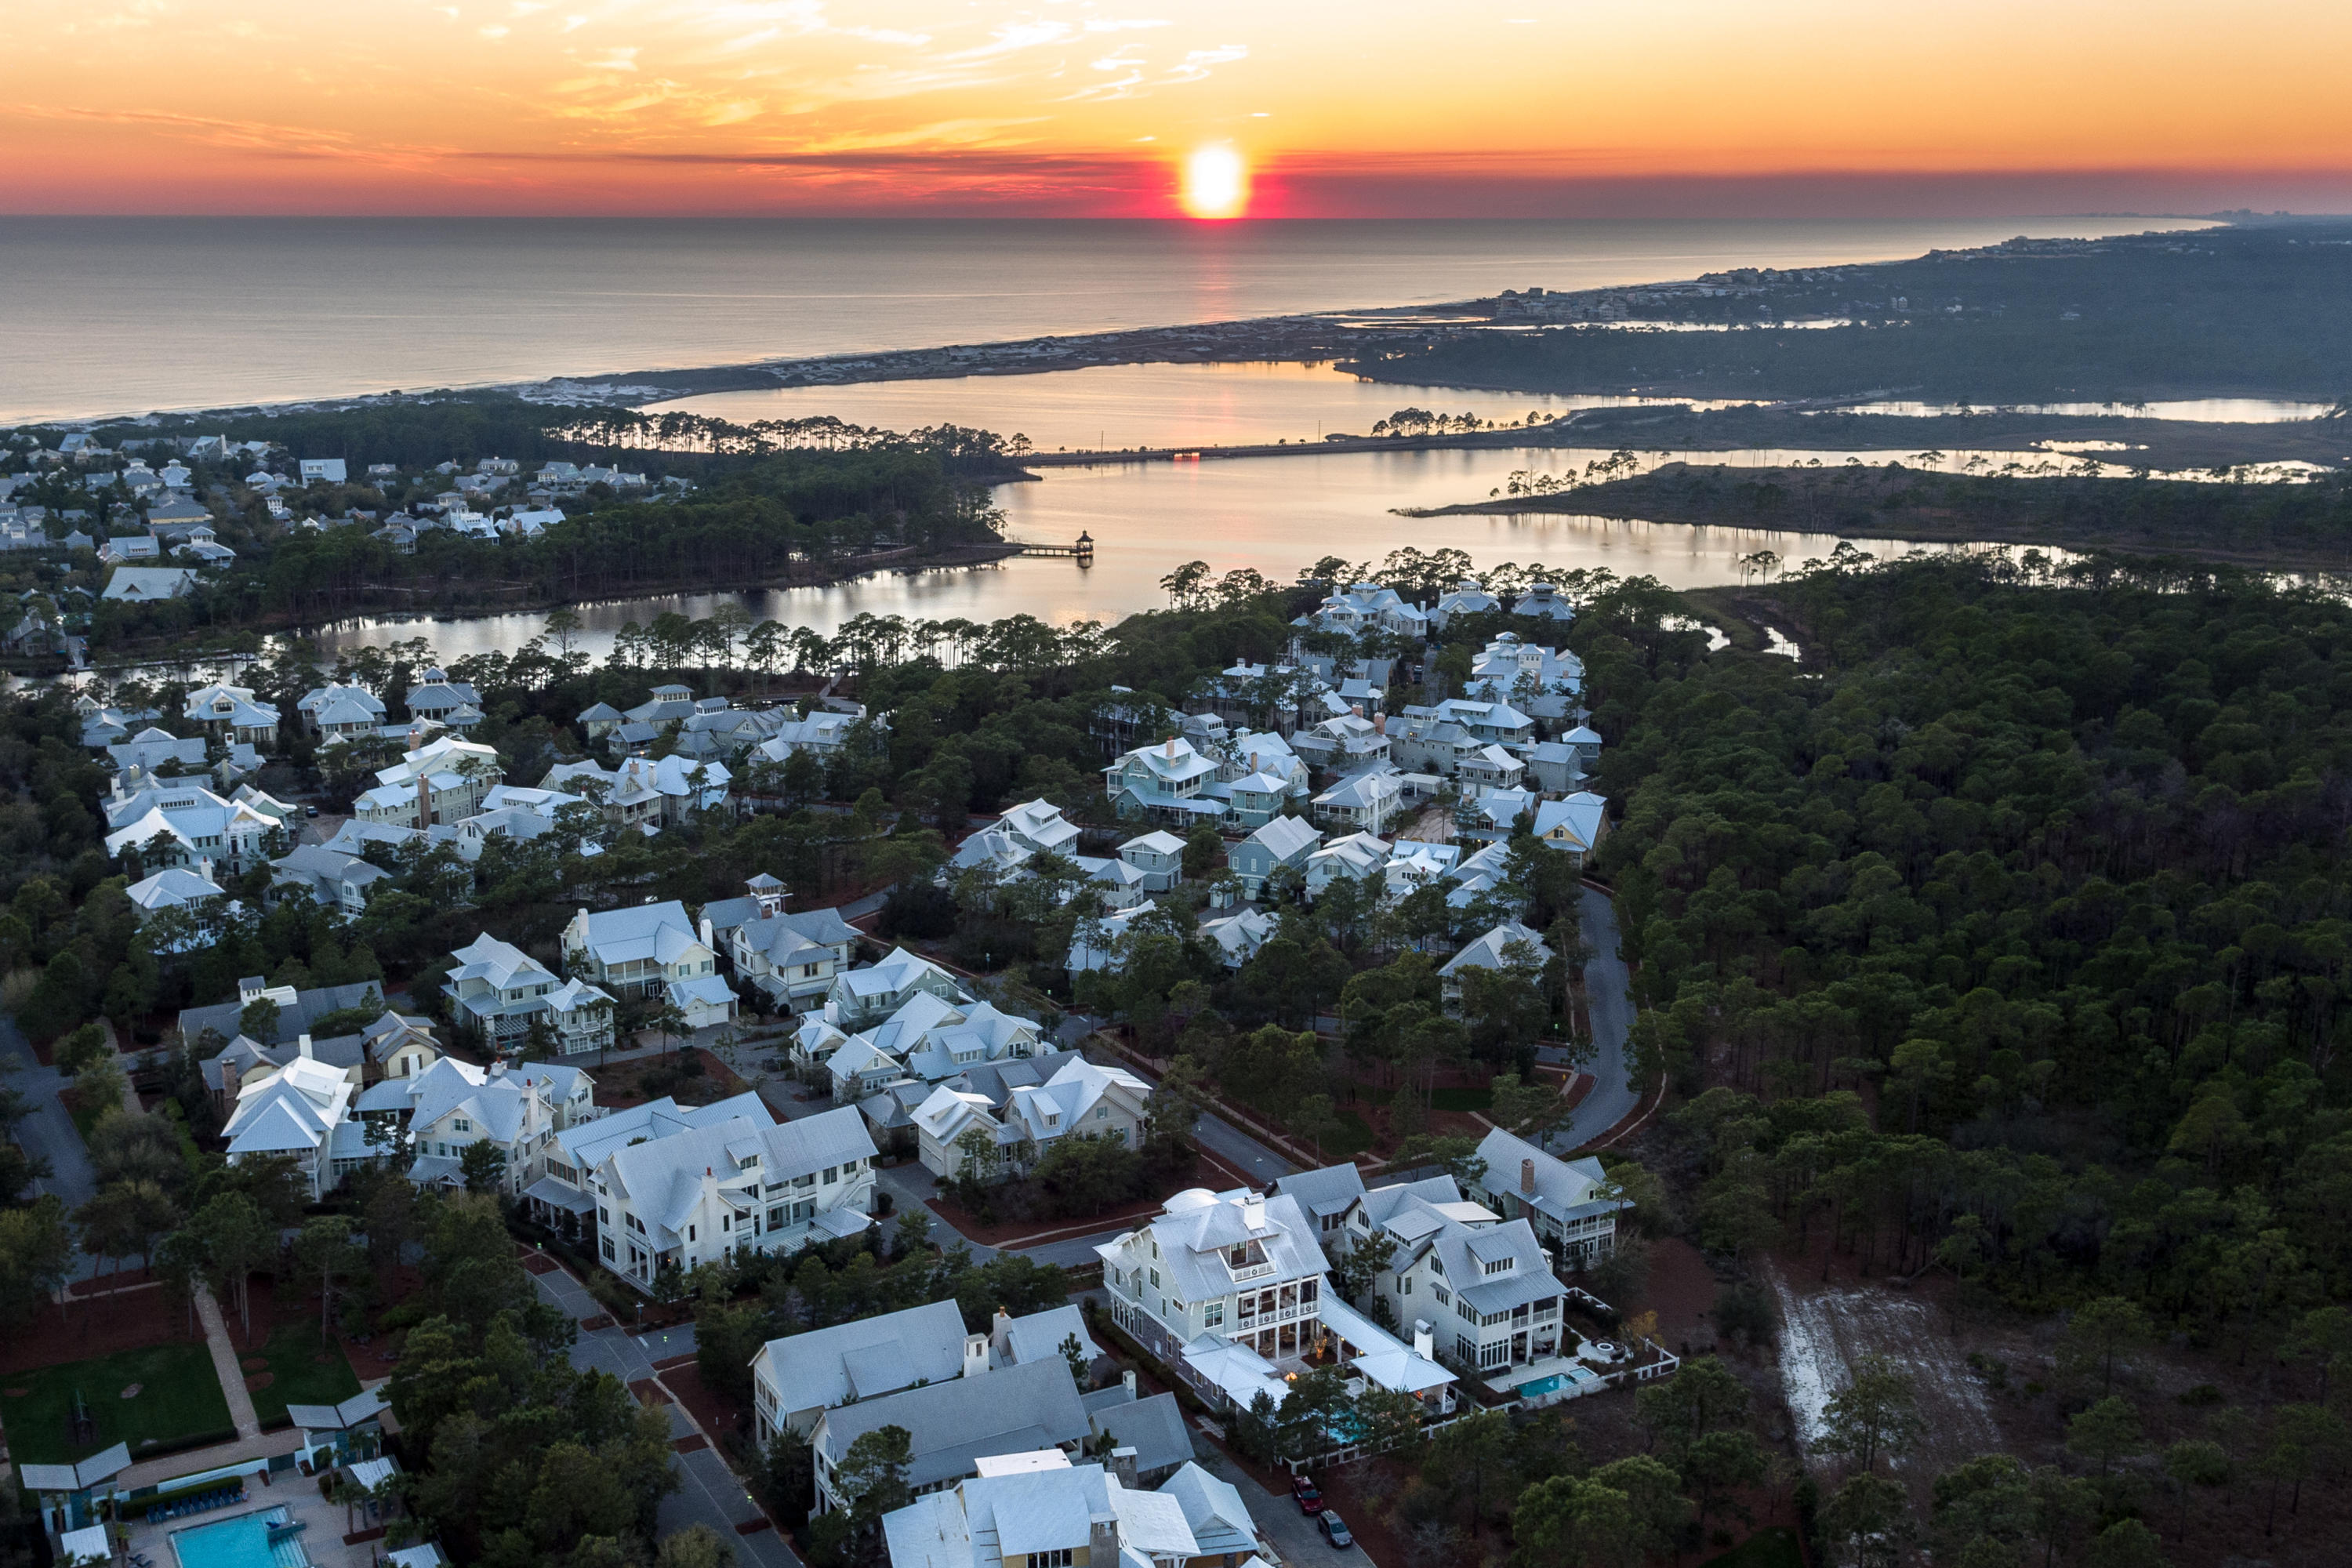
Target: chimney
(1425,1339)
(302,1046)
(1102,1538)
(204,867)
(1000,1331)
(1122,1465)
(1126,1381)
(708,940)
(1171,745)
(975,1355)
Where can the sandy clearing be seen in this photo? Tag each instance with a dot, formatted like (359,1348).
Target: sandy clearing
(1825,1331)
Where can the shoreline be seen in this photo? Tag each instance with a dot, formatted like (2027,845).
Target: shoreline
(908,560)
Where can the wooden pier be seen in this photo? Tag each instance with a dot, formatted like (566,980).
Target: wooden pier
(1082,551)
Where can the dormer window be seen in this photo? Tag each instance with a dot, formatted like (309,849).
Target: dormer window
(1500,1265)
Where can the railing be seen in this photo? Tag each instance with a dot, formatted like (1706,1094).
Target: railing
(1250,1270)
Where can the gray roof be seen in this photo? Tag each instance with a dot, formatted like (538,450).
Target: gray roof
(1465,1251)
(1564,1189)
(1325,1192)
(828,1367)
(1039,1336)
(1192,1238)
(951,1425)
(98,1466)
(291,1021)
(1154,1427)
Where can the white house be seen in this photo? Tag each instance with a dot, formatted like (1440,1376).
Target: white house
(697,1195)
(1467,598)
(338,709)
(1368,607)
(194,893)
(1226,1289)
(1571,1205)
(230,713)
(638,951)
(1038,824)
(952,1424)
(1574,825)
(863,997)
(793,958)
(1482,1282)
(303,1109)
(454,1104)
(444,780)
(565,1191)
(798,1377)
(1356,857)
(1081,1097)
(1038,1509)
(1543,602)
(501,992)
(1365,802)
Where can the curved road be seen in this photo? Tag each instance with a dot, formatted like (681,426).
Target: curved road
(1608,997)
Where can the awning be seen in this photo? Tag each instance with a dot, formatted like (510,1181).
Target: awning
(102,1466)
(842,1222)
(559,1195)
(87,1545)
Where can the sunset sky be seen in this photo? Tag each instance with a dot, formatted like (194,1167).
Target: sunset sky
(1354,108)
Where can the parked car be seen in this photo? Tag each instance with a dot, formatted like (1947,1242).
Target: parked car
(1309,1499)
(1335,1529)
(310,811)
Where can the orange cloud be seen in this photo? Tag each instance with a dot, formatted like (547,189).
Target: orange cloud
(1090,106)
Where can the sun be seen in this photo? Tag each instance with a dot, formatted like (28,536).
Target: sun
(1217,183)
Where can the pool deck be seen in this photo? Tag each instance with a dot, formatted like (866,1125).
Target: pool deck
(1519,1377)
(322,1542)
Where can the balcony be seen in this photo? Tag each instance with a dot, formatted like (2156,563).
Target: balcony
(1249,1270)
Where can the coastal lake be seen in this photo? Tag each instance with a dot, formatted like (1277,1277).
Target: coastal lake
(1274,514)
(1113,408)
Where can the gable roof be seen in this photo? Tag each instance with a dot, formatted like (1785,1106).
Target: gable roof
(951,1425)
(828,1367)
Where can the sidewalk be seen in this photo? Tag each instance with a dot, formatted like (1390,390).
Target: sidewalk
(225,1364)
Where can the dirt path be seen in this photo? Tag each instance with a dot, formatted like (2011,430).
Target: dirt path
(1826,1330)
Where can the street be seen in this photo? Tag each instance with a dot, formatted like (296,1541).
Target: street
(1609,1000)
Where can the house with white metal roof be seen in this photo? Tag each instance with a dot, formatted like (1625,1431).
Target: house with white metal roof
(1080,1098)
(1225,1287)
(564,1192)
(230,713)
(1509,946)
(1158,857)
(1467,598)
(636,950)
(1484,1284)
(1369,607)
(798,1377)
(443,780)
(1237,935)
(302,1110)
(1036,1510)
(696,1195)
(1364,802)
(1575,825)
(793,958)
(1570,1203)
(1544,602)
(861,998)
(339,709)
(1280,843)
(502,992)
(1165,782)
(1358,855)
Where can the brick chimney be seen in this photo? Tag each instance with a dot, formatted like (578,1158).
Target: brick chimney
(1527,1176)
(1122,1465)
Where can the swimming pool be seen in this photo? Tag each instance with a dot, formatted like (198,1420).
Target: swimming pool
(1542,1386)
(243,1542)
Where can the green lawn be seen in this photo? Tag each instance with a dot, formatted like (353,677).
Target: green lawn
(179,1397)
(1774,1546)
(1352,1139)
(297,1376)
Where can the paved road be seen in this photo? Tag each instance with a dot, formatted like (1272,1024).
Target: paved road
(708,1492)
(47,1132)
(1608,997)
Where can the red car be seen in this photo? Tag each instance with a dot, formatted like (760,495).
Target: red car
(1309,1500)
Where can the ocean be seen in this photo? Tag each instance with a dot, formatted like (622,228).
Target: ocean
(111,316)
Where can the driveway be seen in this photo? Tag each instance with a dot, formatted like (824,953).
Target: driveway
(1281,1525)
(1608,997)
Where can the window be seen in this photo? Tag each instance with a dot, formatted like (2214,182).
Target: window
(726,1222)
(1496,1355)
(829,1172)
(604,1215)
(608,1248)
(689,1233)
(1466,1349)
(461,1124)
(1405,1289)
(776,1217)
(1444,1297)
(1213,1314)
(1500,1265)
(1155,1280)
(1058,1558)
